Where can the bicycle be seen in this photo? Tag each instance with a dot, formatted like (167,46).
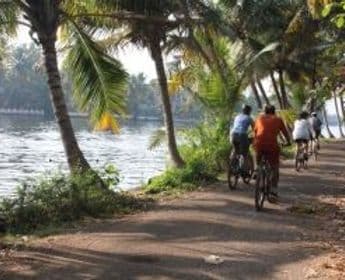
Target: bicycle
(236,169)
(264,182)
(264,179)
(300,157)
(314,149)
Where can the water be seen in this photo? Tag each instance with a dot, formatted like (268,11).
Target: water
(31,146)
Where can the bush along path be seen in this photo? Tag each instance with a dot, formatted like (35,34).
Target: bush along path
(302,237)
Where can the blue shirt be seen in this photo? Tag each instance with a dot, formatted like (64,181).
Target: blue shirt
(241,124)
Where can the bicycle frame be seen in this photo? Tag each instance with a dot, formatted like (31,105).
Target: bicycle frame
(263,183)
(236,169)
(300,160)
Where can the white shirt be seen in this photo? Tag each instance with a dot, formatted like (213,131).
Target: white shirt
(301,130)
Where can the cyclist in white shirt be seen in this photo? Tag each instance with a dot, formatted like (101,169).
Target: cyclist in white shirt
(302,132)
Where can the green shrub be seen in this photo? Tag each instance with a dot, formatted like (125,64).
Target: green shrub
(205,149)
(62,199)
(288,152)
(209,143)
(183,179)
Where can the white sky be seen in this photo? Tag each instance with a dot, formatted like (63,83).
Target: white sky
(136,61)
(133,59)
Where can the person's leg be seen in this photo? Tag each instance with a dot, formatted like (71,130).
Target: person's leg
(257,159)
(245,150)
(298,147)
(317,136)
(306,149)
(235,146)
(274,162)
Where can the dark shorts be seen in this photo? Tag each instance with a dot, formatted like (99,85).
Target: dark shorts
(301,141)
(241,143)
(317,133)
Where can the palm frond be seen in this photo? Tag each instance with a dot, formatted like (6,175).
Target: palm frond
(99,81)
(156,139)
(8,16)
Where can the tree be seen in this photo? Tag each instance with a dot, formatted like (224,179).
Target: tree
(98,79)
(30,91)
(145,24)
(339,118)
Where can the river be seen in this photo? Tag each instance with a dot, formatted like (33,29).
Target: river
(31,147)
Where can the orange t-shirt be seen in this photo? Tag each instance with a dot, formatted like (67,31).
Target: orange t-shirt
(267,128)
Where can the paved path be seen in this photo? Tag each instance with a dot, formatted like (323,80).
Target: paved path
(171,241)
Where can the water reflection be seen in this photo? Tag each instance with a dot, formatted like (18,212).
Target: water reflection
(32,146)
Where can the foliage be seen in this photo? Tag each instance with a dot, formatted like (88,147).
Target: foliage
(206,149)
(288,115)
(30,90)
(98,80)
(333,9)
(62,199)
(208,141)
(191,176)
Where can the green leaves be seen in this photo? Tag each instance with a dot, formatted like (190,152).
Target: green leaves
(8,16)
(157,138)
(340,20)
(327,10)
(99,81)
(337,10)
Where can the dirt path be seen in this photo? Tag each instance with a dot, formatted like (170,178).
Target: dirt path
(171,241)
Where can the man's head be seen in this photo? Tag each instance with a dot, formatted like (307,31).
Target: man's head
(246,109)
(303,115)
(270,109)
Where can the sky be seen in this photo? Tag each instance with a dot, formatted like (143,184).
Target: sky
(133,59)
(136,61)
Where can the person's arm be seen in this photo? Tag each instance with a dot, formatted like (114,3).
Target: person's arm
(255,127)
(284,131)
(252,124)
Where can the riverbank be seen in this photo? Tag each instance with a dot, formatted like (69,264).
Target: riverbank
(302,237)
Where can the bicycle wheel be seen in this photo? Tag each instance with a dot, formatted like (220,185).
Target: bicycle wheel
(249,172)
(297,163)
(260,190)
(269,183)
(232,175)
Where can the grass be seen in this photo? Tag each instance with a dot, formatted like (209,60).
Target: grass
(50,204)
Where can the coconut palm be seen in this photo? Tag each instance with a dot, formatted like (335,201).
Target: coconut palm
(98,79)
(146,24)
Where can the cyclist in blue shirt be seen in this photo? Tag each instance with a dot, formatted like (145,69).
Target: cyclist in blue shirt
(239,133)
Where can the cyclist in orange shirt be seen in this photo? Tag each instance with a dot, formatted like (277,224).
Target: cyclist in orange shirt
(266,130)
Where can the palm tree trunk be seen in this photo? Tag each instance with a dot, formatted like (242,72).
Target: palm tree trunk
(156,53)
(75,158)
(325,117)
(283,92)
(262,90)
(276,90)
(342,105)
(256,94)
(340,121)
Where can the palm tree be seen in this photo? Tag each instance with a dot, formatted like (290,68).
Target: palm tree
(262,90)
(256,94)
(339,119)
(145,24)
(276,90)
(98,79)
(325,117)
